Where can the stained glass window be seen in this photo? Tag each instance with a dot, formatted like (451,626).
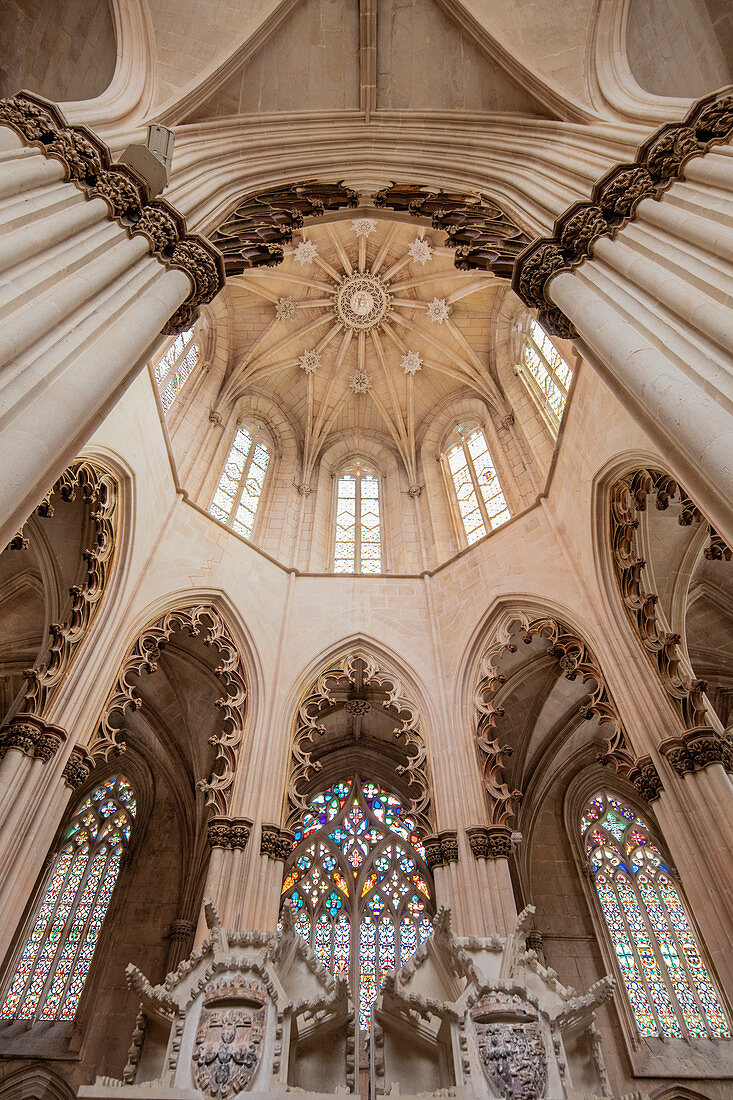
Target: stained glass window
(668,985)
(545,373)
(360,887)
(173,368)
(55,959)
(240,486)
(358,544)
(478,493)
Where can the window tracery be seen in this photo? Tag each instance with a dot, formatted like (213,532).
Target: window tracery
(239,491)
(55,959)
(173,368)
(667,983)
(359,884)
(545,373)
(478,494)
(358,540)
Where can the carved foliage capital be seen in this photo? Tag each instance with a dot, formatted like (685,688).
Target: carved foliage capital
(697,749)
(441,849)
(33,737)
(490,842)
(275,842)
(77,768)
(228,832)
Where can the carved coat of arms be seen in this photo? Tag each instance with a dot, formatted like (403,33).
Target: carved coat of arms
(514,1059)
(229,1039)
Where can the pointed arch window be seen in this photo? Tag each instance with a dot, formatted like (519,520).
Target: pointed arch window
(358,543)
(173,368)
(669,988)
(55,959)
(477,491)
(359,885)
(545,373)
(239,491)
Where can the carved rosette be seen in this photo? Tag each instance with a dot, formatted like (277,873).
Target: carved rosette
(228,832)
(275,842)
(628,500)
(615,197)
(88,164)
(31,736)
(204,620)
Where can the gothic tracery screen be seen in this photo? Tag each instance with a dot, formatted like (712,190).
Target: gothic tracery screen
(238,493)
(55,960)
(173,368)
(358,544)
(668,985)
(481,502)
(358,882)
(546,374)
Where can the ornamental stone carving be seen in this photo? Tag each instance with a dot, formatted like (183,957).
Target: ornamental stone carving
(441,849)
(77,768)
(228,1044)
(697,749)
(362,301)
(33,737)
(513,1058)
(616,195)
(229,833)
(88,164)
(490,842)
(275,842)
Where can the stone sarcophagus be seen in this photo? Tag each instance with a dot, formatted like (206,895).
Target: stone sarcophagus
(483,1018)
(249,1013)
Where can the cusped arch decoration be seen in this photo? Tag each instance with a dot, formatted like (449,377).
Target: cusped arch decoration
(351,675)
(100,494)
(629,497)
(203,620)
(576,660)
(35,1080)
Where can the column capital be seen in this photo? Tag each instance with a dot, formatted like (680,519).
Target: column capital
(441,848)
(697,749)
(228,832)
(77,768)
(490,841)
(275,842)
(646,778)
(33,737)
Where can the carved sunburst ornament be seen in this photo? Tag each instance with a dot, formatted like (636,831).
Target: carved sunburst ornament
(285,309)
(362,301)
(306,252)
(310,361)
(420,251)
(411,362)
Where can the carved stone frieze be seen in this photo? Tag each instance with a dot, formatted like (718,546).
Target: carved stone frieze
(275,842)
(661,161)
(99,494)
(31,736)
(204,620)
(483,235)
(88,164)
(77,768)
(255,233)
(628,500)
(228,832)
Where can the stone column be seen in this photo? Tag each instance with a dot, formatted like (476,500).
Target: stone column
(491,847)
(228,837)
(92,271)
(635,276)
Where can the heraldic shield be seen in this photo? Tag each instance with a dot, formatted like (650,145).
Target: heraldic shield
(514,1059)
(229,1039)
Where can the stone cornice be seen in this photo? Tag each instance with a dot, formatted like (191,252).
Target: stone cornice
(614,199)
(88,164)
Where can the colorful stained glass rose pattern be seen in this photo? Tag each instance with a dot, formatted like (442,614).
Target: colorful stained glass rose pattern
(545,373)
(172,370)
(668,985)
(56,957)
(359,884)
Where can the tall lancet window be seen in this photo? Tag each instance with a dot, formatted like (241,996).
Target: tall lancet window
(359,884)
(239,491)
(479,496)
(173,368)
(358,544)
(545,373)
(668,985)
(55,959)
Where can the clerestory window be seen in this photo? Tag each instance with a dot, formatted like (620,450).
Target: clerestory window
(478,494)
(54,961)
(173,368)
(358,539)
(239,491)
(669,988)
(359,885)
(545,373)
